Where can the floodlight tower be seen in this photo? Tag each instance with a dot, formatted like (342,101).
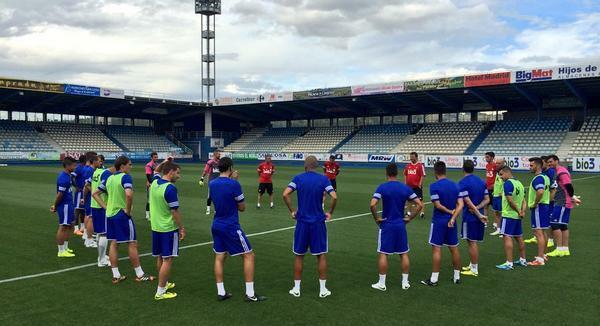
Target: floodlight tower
(208,9)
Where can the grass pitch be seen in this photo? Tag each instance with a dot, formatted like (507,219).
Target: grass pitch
(565,291)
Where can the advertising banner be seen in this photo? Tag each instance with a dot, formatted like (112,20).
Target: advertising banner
(323,92)
(479,161)
(31,85)
(456,162)
(382,158)
(112,93)
(498,78)
(577,71)
(237,100)
(277,97)
(352,157)
(223,154)
(372,89)
(531,75)
(453,162)
(31,156)
(586,164)
(431,84)
(82,90)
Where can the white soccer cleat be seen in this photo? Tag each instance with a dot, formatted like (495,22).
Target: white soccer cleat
(294,293)
(325,294)
(405,286)
(103,263)
(379,287)
(208,211)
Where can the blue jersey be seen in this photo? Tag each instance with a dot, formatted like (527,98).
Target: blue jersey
(63,185)
(79,176)
(88,172)
(474,188)
(446,192)
(226,193)
(310,187)
(551,174)
(394,195)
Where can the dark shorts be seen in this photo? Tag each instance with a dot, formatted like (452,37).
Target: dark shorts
(392,239)
(311,236)
(334,184)
(511,227)
(497,204)
(165,244)
(442,235)
(268,187)
(120,228)
(418,191)
(65,213)
(230,239)
(472,231)
(99,220)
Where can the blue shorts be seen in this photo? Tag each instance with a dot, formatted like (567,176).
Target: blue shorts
(472,231)
(230,239)
(165,244)
(310,235)
(88,208)
(120,228)
(442,235)
(540,217)
(511,227)
(497,204)
(66,215)
(551,209)
(99,220)
(561,215)
(77,199)
(392,239)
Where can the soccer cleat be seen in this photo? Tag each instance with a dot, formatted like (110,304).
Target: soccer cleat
(469,273)
(258,206)
(545,257)
(65,254)
(170,286)
(144,278)
(405,286)
(429,283)
(224,297)
(536,263)
(255,298)
(555,253)
(496,232)
(566,253)
(520,262)
(70,251)
(324,294)
(164,296)
(531,240)
(294,293)
(379,287)
(466,268)
(119,279)
(208,211)
(422,215)
(505,267)
(456,281)
(103,263)
(272,205)
(550,243)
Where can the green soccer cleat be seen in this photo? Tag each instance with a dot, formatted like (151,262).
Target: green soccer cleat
(555,253)
(550,243)
(164,296)
(65,254)
(505,267)
(531,240)
(469,273)
(170,286)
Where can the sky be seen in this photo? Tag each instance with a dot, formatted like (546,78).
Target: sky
(285,45)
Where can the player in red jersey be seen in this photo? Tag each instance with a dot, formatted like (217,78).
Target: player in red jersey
(211,169)
(331,169)
(414,176)
(150,167)
(490,174)
(265,180)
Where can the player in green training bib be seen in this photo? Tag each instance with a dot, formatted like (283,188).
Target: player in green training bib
(513,211)
(497,197)
(98,213)
(539,204)
(167,226)
(119,224)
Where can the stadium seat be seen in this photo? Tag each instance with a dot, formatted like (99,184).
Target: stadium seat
(442,138)
(79,137)
(142,139)
(319,140)
(245,140)
(587,142)
(18,136)
(376,139)
(274,140)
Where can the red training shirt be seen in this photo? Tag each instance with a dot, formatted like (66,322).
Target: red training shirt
(413,174)
(265,172)
(332,169)
(490,174)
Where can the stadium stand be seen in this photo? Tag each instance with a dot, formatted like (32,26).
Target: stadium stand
(245,140)
(442,138)
(79,137)
(525,137)
(18,136)
(376,139)
(274,139)
(141,139)
(587,142)
(319,140)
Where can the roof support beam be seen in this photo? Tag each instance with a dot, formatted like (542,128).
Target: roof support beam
(449,103)
(484,97)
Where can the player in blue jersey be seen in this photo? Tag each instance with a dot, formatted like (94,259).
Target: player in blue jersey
(98,213)
(447,206)
(88,172)
(228,237)
(311,231)
(79,183)
(550,172)
(392,229)
(63,206)
(475,197)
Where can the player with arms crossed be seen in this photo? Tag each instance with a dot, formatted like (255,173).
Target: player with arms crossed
(475,196)
(331,169)
(392,229)
(63,206)
(497,197)
(211,170)
(150,167)
(311,231)
(119,223)
(167,226)
(414,176)
(265,180)
(490,174)
(513,211)
(447,206)
(538,201)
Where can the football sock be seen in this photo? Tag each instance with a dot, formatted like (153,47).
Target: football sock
(61,248)
(475,268)
(404,278)
(220,288)
(160,290)
(115,272)
(297,285)
(382,279)
(540,259)
(434,277)
(456,274)
(322,285)
(66,245)
(250,289)
(102,244)
(139,272)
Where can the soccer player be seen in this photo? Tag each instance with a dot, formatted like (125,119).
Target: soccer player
(86,201)
(550,173)
(447,206)
(331,169)
(311,231)
(539,203)
(497,197)
(265,180)
(513,211)
(414,176)
(211,169)
(228,237)
(475,196)
(79,183)
(490,172)
(98,213)
(150,167)
(392,229)
(564,199)
(167,226)
(63,205)
(119,223)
